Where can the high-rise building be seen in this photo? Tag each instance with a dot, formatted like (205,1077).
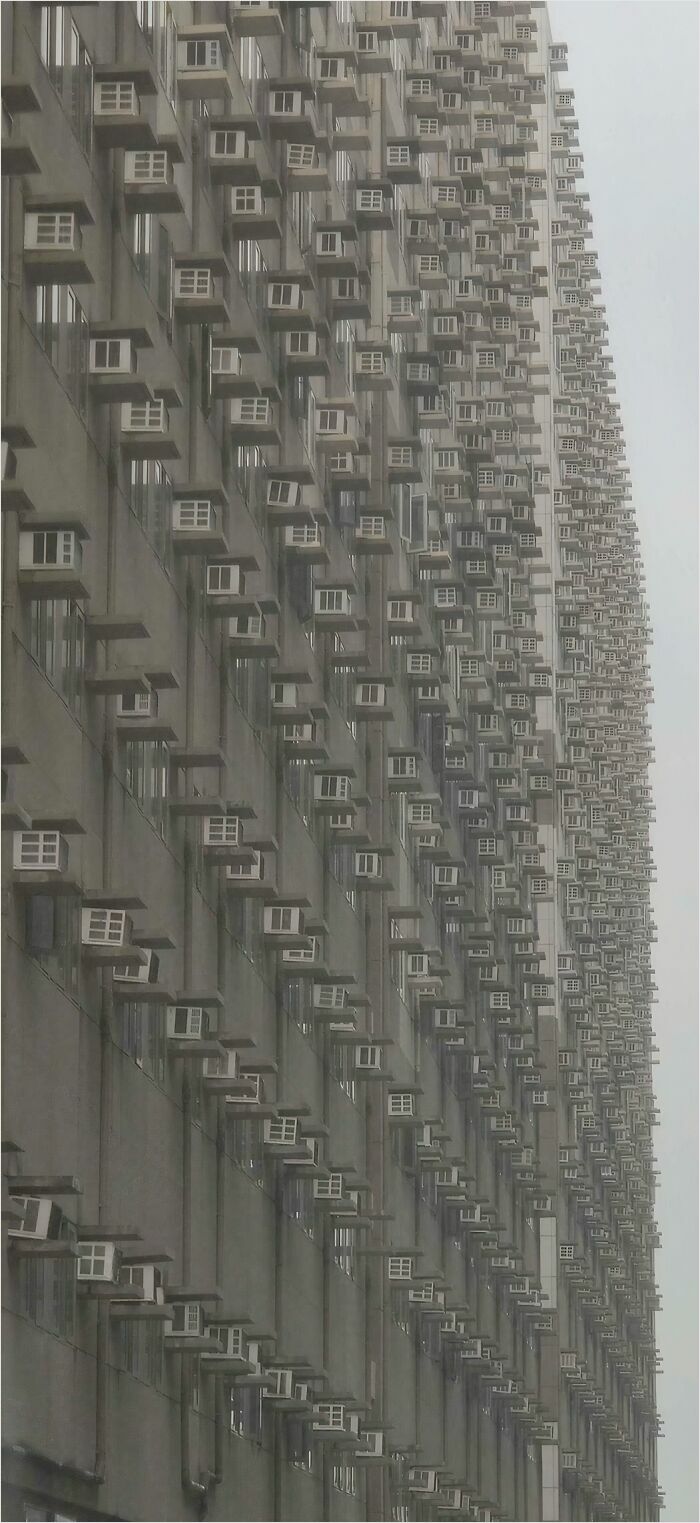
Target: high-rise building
(328,1175)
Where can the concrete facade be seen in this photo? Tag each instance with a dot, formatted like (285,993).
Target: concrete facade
(328,1176)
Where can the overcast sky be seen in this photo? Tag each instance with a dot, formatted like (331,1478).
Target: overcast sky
(634,67)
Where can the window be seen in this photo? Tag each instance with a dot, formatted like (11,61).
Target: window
(52,936)
(146,778)
(46,1292)
(57,644)
(69,68)
(140,1032)
(344,1477)
(150,500)
(298,1202)
(246,1412)
(245,1145)
(158,26)
(344,1250)
(300,1450)
(62,330)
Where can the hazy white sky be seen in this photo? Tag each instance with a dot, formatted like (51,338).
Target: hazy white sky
(634,68)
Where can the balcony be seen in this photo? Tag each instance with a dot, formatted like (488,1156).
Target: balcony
(335,248)
(251,422)
(373,366)
(196,520)
(51,559)
(291,110)
(118,117)
(373,52)
(336,82)
(113,363)
(304,351)
(374,205)
(293,498)
(53,240)
(403,161)
(203,56)
(145,427)
(256,18)
(285,300)
(196,298)
(148,181)
(250,214)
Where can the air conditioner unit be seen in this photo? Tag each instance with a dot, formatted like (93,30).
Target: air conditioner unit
(328,1416)
(372,1445)
(330,243)
(144,417)
(446,1017)
(98,1261)
(330,1188)
(421,1481)
(302,156)
(284,695)
(333,422)
(399,1267)
(39,851)
(103,927)
(133,705)
(281,1131)
(115,97)
(139,973)
(40,1219)
(251,412)
(45,549)
(332,786)
(146,1277)
(193,280)
(370,695)
(281,1385)
(226,143)
(232,1339)
(284,295)
(51,230)
(401,1105)
(368,864)
(187,1022)
(332,600)
(112,356)
(368,1059)
(187,1320)
(199,55)
(299,343)
(223,830)
(285,103)
(223,579)
(146,167)
(222,1065)
(283,920)
(309,951)
(226,360)
(246,626)
(330,996)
